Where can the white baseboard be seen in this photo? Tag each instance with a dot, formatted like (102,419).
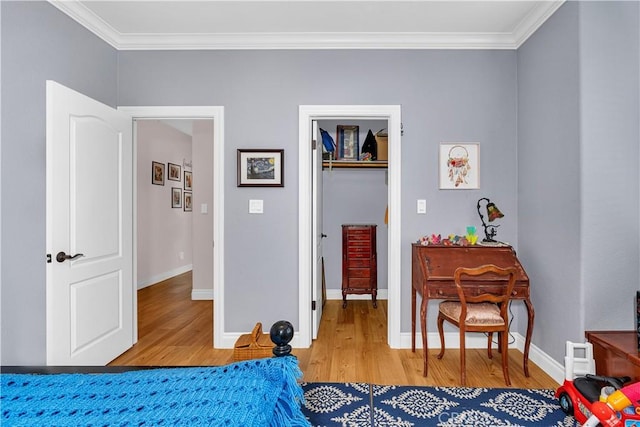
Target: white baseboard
(202,294)
(337,294)
(164,276)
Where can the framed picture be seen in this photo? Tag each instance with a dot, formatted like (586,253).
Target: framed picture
(188,181)
(174,172)
(188,202)
(459,166)
(260,168)
(176,197)
(348,142)
(157,173)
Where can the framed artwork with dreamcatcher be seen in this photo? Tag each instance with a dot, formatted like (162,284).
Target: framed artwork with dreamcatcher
(459,166)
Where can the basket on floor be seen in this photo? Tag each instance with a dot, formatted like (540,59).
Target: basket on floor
(255,345)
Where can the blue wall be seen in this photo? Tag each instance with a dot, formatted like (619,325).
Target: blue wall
(578,152)
(38,43)
(542,116)
(446,96)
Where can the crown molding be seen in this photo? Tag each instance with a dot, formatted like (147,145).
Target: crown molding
(534,20)
(290,40)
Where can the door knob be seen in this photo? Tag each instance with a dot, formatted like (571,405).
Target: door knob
(62,257)
(322,235)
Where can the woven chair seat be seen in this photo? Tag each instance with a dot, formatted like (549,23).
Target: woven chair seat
(484,313)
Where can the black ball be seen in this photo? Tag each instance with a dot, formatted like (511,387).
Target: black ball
(281,332)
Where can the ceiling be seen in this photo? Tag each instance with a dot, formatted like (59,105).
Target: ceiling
(311,24)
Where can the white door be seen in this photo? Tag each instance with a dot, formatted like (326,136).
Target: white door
(89,230)
(318,235)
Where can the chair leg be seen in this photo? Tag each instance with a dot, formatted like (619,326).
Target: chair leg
(441,332)
(504,340)
(489,343)
(463,370)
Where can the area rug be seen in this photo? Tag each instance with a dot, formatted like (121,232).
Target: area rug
(361,404)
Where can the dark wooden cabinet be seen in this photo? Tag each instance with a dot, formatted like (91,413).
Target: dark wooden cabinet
(359,261)
(616,353)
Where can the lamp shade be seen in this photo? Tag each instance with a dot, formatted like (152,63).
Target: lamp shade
(493,212)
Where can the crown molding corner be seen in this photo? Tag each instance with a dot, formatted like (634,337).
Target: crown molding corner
(85,17)
(534,20)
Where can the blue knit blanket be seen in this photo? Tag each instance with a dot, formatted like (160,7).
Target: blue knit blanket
(262,392)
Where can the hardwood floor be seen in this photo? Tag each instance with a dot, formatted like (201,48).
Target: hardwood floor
(351,346)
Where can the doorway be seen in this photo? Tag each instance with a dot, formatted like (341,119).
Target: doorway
(307,114)
(215,211)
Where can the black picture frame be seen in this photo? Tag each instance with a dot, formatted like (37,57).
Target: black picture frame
(157,173)
(175,172)
(188,181)
(348,142)
(188,201)
(176,197)
(260,168)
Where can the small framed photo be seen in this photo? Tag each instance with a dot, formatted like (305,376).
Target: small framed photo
(175,172)
(188,181)
(176,197)
(157,173)
(260,168)
(459,166)
(188,201)
(348,142)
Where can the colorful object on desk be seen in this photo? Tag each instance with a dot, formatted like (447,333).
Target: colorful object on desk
(366,157)
(430,240)
(471,236)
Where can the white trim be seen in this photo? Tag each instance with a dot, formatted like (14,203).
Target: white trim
(305,114)
(202,294)
(217,114)
(302,40)
(534,20)
(162,276)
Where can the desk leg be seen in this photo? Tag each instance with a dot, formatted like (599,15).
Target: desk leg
(527,342)
(413,319)
(423,327)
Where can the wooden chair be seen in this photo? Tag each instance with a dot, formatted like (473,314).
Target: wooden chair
(486,312)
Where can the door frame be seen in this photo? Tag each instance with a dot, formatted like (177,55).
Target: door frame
(307,113)
(215,113)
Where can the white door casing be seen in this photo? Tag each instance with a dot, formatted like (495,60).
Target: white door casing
(215,113)
(307,113)
(90,212)
(317,228)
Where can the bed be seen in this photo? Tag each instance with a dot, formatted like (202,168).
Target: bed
(258,392)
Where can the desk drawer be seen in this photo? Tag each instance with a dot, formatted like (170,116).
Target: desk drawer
(439,292)
(518,292)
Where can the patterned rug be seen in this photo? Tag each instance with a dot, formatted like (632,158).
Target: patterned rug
(361,404)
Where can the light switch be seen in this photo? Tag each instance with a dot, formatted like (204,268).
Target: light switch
(204,208)
(421,206)
(256,206)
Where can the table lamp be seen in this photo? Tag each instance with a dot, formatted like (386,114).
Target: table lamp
(493,213)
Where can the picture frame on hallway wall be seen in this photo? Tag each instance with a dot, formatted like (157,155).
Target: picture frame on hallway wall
(157,173)
(459,166)
(176,197)
(260,168)
(188,201)
(175,172)
(188,181)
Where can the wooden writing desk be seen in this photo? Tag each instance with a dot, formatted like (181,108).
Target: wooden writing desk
(616,353)
(432,269)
